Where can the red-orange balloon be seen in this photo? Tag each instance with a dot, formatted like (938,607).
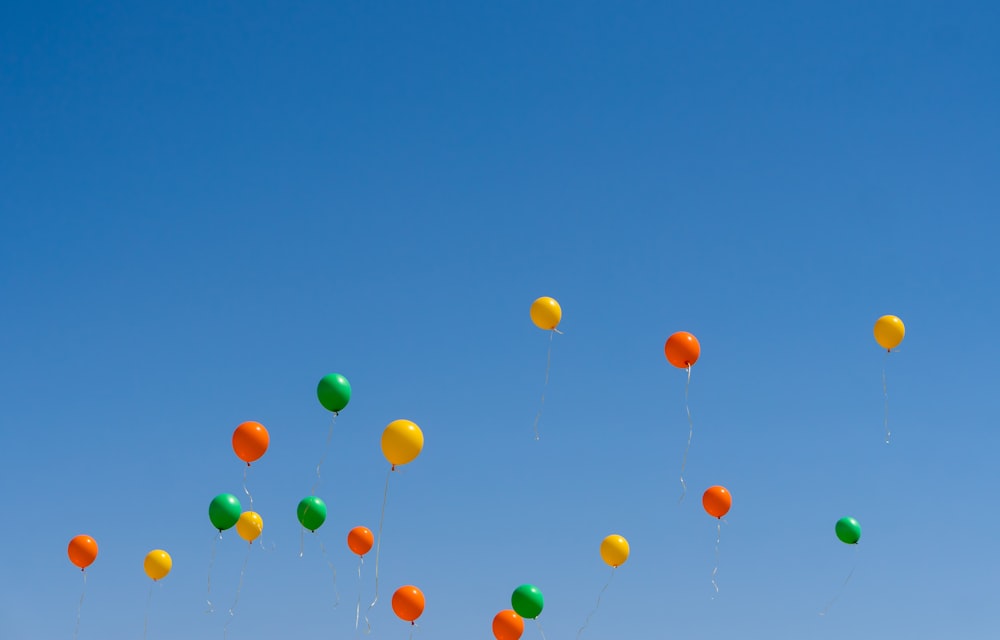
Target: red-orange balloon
(250,441)
(360,540)
(717,501)
(408,602)
(507,625)
(82,551)
(682,349)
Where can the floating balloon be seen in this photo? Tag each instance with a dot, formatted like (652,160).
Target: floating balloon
(848,530)
(614,550)
(250,525)
(224,510)
(717,500)
(402,441)
(889,332)
(508,625)
(408,603)
(82,551)
(334,392)
(682,349)
(311,512)
(546,313)
(157,564)
(250,441)
(527,601)
(360,540)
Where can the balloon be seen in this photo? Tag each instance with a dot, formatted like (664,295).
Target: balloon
(682,349)
(334,392)
(360,540)
(311,512)
(507,625)
(527,601)
(82,551)
(250,441)
(546,313)
(889,332)
(401,442)
(717,500)
(157,564)
(614,550)
(848,530)
(408,602)
(250,525)
(224,510)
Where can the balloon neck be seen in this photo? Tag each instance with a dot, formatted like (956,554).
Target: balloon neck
(248,464)
(393,468)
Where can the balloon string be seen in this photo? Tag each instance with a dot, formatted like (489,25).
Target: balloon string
(211,561)
(687,408)
(245,489)
(885,397)
(329,563)
(79,606)
(548,367)
(357,610)
(149,600)
(540,632)
(378,542)
(843,586)
(239,589)
(597,604)
(715,571)
(326,450)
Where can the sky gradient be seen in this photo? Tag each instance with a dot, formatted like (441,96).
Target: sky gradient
(205,209)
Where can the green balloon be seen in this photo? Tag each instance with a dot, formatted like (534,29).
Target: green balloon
(224,511)
(527,601)
(848,530)
(312,513)
(334,392)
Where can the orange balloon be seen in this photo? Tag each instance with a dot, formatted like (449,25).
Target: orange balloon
(360,540)
(408,602)
(250,441)
(717,500)
(682,349)
(507,625)
(82,551)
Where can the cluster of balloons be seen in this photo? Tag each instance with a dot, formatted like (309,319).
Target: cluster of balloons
(402,441)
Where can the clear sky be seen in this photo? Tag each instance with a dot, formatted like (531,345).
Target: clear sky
(206,207)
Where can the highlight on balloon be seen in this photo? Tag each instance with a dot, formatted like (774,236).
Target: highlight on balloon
(157,564)
(82,551)
(311,512)
(250,526)
(333,392)
(848,530)
(402,442)
(408,603)
(889,332)
(507,625)
(250,441)
(546,313)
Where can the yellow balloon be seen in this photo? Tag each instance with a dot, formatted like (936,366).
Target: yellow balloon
(250,525)
(546,313)
(157,564)
(401,442)
(889,332)
(614,550)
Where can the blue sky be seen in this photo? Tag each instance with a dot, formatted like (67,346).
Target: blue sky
(203,210)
